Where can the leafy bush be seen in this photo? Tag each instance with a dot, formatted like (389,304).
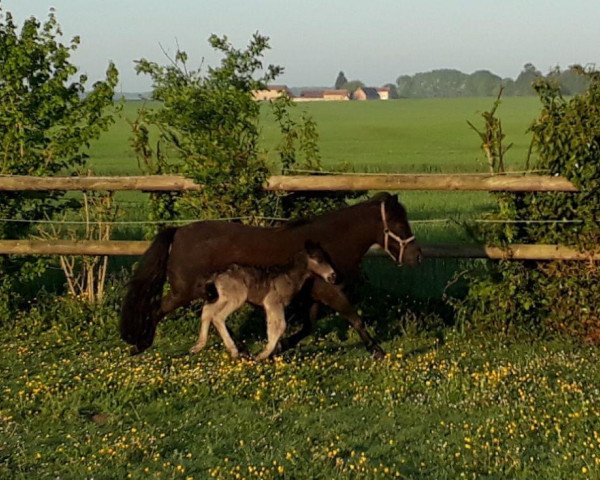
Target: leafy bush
(47,119)
(208,126)
(556,296)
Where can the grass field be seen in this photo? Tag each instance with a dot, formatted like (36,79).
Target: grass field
(74,405)
(423,135)
(444,404)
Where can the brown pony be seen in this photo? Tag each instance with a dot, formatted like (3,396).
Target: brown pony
(189,256)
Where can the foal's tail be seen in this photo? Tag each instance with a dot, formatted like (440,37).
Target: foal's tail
(141,307)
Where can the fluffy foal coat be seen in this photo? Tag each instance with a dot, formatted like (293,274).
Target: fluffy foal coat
(271,288)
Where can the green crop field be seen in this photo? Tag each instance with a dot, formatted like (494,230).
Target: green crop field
(422,135)
(429,135)
(444,403)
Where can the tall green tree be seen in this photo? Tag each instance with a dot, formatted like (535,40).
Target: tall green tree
(524,83)
(353,85)
(340,81)
(47,120)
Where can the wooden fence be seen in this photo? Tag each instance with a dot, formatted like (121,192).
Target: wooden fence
(459,182)
(133,248)
(158,183)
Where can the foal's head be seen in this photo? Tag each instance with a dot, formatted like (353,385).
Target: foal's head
(318,262)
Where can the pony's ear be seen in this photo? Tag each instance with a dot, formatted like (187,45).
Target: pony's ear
(311,246)
(381,197)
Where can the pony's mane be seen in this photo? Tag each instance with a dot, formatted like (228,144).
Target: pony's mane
(298,222)
(378,198)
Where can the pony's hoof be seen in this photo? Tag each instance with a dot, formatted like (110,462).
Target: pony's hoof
(243,351)
(378,353)
(136,350)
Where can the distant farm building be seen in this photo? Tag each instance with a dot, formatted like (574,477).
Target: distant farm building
(323,95)
(341,94)
(272,92)
(384,93)
(366,93)
(310,96)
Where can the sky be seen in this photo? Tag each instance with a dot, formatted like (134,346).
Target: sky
(313,40)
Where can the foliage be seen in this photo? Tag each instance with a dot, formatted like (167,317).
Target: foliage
(353,85)
(448,83)
(209,131)
(47,120)
(570,80)
(393,90)
(86,275)
(558,296)
(524,83)
(492,137)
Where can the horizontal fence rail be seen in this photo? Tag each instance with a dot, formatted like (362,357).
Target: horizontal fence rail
(466,182)
(135,248)
(147,183)
(163,183)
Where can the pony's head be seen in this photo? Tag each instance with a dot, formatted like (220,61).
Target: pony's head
(396,236)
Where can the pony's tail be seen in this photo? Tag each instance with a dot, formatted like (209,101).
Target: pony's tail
(141,307)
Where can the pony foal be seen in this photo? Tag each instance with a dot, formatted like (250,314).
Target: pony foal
(272,288)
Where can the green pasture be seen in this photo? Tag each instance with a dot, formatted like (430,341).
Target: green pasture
(408,135)
(74,405)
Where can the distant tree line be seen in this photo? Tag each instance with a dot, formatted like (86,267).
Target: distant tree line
(482,83)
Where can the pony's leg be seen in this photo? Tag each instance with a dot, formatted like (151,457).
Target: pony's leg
(169,303)
(275,326)
(208,312)
(335,298)
(309,318)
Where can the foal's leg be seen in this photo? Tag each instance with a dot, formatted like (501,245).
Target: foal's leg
(275,325)
(335,298)
(232,302)
(208,312)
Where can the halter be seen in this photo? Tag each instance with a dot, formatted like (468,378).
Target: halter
(387,233)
